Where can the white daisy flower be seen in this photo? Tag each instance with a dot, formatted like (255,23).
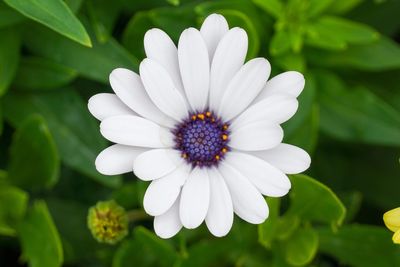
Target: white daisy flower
(203,126)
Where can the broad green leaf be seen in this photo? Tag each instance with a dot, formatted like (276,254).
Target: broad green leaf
(267,230)
(291,61)
(316,7)
(56,15)
(287,225)
(33,148)
(273,7)
(381,55)
(343,6)
(9,16)
(13,203)
(74,5)
(145,249)
(103,15)
(340,29)
(40,240)
(313,201)
(9,57)
(301,247)
(356,115)
(94,63)
(360,246)
(35,73)
(75,132)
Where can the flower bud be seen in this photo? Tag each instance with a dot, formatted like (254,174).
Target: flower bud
(392,221)
(108,222)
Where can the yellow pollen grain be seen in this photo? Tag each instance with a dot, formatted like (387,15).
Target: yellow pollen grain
(201,116)
(225,127)
(208,114)
(217,157)
(224,150)
(184,155)
(224,137)
(194,117)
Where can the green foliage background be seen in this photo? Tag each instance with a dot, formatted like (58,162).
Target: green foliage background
(55,54)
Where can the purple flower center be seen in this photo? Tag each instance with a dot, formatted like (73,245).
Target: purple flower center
(202,139)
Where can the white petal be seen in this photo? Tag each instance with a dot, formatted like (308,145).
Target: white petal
(259,135)
(244,87)
(248,203)
(162,193)
(288,158)
(135,131)
(269,180)
(195,68)
(290,83)
(168,224)
(228,58)
(274,109)
(117,159)
(156,163)
(106,105)
(213,29)
(219,218)
(159,46)
(162,90)
(129,88)
(195,199)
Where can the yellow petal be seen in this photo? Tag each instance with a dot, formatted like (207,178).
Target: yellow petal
(396,237)
(392,219)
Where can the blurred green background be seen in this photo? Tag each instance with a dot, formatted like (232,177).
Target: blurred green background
(55,54)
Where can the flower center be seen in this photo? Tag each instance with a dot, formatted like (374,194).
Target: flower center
(202,139)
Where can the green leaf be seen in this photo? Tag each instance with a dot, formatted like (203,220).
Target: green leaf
(75,132)
(273,7)
(311,200)
(381,55)
(9,16)
(267,230)
(1,118)
(145,249)
(317,7)
(360,246)
(343,6)
(103,15)
(56,15)
(40,241)
(280,43)
(356,115)
(9,57)
(33,147)
(13,203)
(291,61)
(95,63)
(301,247)
(340,29)
(37,73)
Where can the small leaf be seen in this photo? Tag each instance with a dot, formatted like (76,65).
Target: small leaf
(33,148)
(280,43)
(356,115)
(360,246)
(40,241)
(9,57)
(13,203)
(103,15)
(95,63)
(75,132)
(317,7)
(56,15)
(343,6)
(273,7)
(291,61)
(37,73)
(145,249)
(267,230)
(301,247)
(380,55)
(313,201)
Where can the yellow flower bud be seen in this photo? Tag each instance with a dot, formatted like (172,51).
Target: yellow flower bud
(108,222)
(396,237)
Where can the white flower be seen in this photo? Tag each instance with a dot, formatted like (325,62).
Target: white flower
(203,126)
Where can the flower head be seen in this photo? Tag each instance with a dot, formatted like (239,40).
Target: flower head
(108,222)
(392,221)
(203,126)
